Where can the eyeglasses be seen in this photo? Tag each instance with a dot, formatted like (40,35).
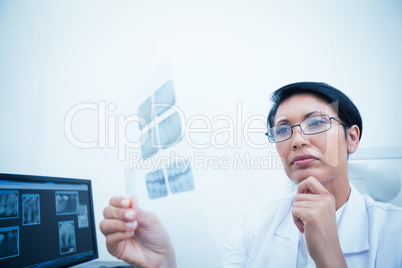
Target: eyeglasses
(309,126)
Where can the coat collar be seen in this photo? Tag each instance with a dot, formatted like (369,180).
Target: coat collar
(287,239)
(286,228)
(353,229)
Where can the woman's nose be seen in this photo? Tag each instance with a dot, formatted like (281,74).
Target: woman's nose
(298,137)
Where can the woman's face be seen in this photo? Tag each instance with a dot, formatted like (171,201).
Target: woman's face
(322,155)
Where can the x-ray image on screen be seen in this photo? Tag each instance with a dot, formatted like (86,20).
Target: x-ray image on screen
(156,184)
(9,242)
(82,215)
(66,202)
(149,146)
(180,177)
(30,209)
(67,237)
(164,98)
(170,131)
(145,113)
(8,204)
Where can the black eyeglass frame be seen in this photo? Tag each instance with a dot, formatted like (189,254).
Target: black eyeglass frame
(270,139)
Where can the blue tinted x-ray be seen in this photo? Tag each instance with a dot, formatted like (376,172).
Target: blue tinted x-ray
(180,177)
(9,242)
(30,209)
(156,184)
(145,113)
(170,131)
(164,98)
(149,147)
(67,237)
(66,202)
(82,216)
(9,204)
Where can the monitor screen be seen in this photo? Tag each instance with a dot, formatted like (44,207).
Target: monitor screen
(46,221)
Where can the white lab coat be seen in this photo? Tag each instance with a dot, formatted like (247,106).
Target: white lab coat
(370,234)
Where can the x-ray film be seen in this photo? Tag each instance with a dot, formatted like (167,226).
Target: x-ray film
(164,98)
(82,215)
(30,209)
(149,147)
(9,242)
(9,204)
(66,202)
(145,113)
(170,131)
(67,237)
(180,177)
(156,184)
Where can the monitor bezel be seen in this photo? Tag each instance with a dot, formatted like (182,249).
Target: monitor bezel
(61,180)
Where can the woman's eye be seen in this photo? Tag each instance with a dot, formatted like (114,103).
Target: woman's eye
(316,122)
(282,130)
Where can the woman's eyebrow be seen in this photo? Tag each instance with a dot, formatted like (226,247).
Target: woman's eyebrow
(305,116)
(314,112)
(282,121)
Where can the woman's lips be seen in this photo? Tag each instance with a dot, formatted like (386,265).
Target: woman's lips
(303,160)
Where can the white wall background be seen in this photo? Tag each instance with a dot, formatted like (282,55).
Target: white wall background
(57,54)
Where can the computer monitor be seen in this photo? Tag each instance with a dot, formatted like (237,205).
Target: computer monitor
(46,221)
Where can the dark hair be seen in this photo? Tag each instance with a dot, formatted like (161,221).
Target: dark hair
(347,111)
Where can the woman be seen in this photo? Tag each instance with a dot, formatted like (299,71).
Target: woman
(326,223)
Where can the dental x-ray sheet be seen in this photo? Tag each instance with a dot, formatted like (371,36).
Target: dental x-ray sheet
(159,169)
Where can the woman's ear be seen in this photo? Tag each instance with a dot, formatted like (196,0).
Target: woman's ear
(353,134)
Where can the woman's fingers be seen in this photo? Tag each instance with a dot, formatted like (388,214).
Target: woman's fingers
(120,201)
(312,185)
(120,217)
(108,227)
(121,208)
(119,213)
(113,240)
(297,219)
(312,201)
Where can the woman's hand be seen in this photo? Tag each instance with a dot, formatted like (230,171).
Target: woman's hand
(314,215)
(136,236)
